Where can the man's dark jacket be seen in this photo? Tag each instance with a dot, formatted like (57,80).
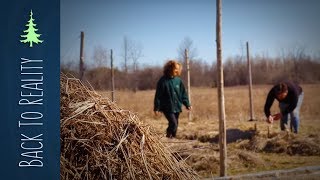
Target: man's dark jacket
(294,90)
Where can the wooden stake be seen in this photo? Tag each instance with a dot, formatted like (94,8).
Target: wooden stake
(222,125)
(250,84)
(81,66)
(112,77)
(188,75)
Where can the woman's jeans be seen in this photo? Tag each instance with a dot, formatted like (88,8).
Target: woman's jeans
(294,116)
(173,120)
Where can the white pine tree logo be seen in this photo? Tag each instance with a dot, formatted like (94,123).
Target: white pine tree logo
(31,36)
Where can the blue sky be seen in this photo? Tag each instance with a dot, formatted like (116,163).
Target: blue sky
(159,26)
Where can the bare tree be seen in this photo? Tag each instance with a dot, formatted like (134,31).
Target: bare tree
(132,51)
(70,65)
(187,43)
(135,54)
(100,56)
(125,47)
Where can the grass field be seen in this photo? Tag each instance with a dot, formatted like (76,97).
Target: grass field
(197,139)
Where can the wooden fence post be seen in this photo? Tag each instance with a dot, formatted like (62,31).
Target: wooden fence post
(188,75)
(221,105)
(112,77)
(81,66)
(250,84)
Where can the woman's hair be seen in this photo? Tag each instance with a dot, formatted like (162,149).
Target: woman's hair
(281,88)
(169,67)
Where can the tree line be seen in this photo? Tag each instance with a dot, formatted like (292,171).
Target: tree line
(265,70)
(294,64)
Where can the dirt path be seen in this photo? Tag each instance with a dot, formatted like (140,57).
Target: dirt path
(305,173)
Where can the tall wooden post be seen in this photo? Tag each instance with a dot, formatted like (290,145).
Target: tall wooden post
(112,77)
(250,84)
(188,75)
(81,66)
(222,124)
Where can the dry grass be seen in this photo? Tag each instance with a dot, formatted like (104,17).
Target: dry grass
(198,137)
(204,102)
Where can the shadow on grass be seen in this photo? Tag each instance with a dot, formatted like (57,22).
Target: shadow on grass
(233,135)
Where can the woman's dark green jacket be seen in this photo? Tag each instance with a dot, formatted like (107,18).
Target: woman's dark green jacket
(170,95)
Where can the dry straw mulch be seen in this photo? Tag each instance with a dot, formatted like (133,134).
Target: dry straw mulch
(99,140)
(284,142)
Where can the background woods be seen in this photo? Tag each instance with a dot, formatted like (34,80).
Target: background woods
(265,70)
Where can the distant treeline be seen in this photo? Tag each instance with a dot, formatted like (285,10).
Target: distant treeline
(302,69)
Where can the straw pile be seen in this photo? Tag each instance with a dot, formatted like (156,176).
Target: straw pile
(101,141)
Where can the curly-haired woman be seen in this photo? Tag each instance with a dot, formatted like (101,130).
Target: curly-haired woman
(170,95)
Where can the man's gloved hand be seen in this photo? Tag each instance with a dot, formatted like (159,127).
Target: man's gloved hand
(270,119)
(277,116)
